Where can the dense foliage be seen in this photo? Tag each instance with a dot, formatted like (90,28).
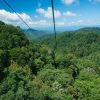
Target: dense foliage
(11,37)
(28,72)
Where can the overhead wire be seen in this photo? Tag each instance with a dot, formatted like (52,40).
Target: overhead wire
(52,4)
(54,25)
(55,33)
(16,13)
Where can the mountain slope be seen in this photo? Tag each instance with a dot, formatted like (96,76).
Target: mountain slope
(35,34)
(89,29)
(81,42)
(28,70)
(11,37)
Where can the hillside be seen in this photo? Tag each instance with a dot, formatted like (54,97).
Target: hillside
(28,70)
(89,29)
(11,37)
(35,34)
(81,42)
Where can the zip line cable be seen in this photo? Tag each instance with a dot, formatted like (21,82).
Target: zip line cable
(54,27)
(52,4)
(53,14)
(16,13)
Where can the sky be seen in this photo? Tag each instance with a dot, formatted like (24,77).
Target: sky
(38,13)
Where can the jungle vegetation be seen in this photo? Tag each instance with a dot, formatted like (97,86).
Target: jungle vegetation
(28,72)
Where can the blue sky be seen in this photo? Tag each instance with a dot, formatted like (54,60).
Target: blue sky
(38,15)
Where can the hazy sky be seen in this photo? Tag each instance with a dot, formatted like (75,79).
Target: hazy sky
(37,13)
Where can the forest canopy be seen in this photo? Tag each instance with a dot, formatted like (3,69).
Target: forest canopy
(28,72)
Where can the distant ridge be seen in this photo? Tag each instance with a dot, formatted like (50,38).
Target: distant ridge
(35,34)
(77,41)
(93,29)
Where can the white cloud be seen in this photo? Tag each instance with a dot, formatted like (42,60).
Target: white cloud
(78,22)
(68,2)
(71,23)
(12,18)
(69,14)
(60,24)
(5,15)
(48,13)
